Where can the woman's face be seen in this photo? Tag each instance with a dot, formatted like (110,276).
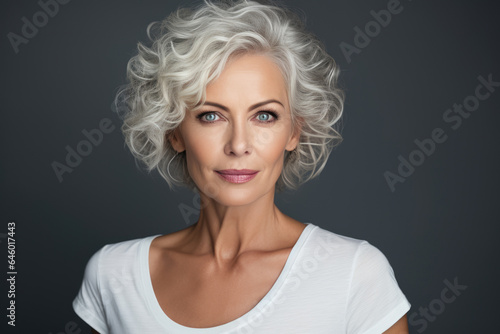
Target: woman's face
(244,124)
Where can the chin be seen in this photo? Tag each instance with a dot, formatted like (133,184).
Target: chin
(235,196)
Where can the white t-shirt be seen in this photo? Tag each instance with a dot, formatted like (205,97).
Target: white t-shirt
(330,284)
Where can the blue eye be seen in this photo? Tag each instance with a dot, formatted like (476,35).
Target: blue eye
(262,117)
(266,118)
(269,116)
(211,117)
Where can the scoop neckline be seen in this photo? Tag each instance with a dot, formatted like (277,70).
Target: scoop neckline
(163,319)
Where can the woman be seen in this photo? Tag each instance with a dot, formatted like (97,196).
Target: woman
(237,100)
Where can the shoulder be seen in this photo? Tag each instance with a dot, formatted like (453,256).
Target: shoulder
(372,297)
(339,244)
(360,276)
(124,247)
(359,257)
(116,255)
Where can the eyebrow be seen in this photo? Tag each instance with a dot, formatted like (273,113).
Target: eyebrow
(256,105)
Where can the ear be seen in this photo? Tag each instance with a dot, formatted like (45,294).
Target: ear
(176,140)
(294,139)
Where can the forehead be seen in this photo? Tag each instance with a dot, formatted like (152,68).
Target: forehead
(248,78)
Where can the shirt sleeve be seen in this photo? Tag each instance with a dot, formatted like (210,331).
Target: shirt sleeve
(375,301)
(88,304)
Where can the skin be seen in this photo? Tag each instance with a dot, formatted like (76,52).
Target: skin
(220,268)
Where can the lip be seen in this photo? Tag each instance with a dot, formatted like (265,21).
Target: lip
(237,171)
(237,175)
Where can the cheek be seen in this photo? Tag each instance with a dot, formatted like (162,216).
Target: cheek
(200,152)
(200,148)
(271,142)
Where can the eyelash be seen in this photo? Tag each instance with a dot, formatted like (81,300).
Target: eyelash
(272,113)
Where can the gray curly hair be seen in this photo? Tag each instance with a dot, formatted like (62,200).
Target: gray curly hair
(190,49)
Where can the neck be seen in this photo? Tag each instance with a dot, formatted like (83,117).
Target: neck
(226,232)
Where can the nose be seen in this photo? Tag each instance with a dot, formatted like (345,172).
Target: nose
(239,140)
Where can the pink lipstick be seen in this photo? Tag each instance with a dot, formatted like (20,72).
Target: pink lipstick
(237,175)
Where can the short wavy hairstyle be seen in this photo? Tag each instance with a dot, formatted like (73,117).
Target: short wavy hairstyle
(190,48)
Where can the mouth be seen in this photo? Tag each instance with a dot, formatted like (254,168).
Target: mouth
(237,175)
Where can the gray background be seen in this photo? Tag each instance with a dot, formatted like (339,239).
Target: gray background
(440,224)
